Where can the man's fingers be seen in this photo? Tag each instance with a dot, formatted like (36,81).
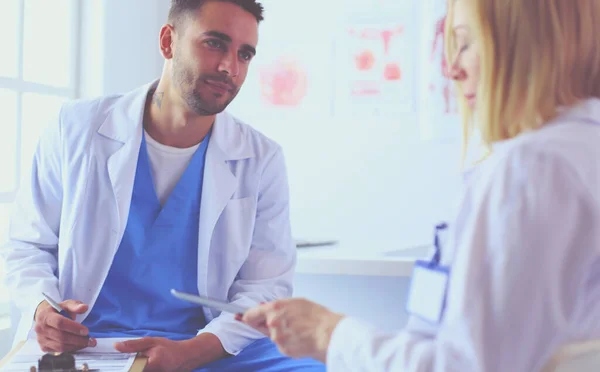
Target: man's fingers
(49,345)
(74,306)
(59,322)
(61,337)
(134,346)
(152,365)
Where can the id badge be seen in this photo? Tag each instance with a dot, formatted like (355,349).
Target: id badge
(427,294)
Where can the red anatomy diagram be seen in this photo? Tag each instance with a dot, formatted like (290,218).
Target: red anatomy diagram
(437,53)
(283,82)
(366,58)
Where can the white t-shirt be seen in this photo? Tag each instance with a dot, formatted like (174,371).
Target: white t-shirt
(167,165)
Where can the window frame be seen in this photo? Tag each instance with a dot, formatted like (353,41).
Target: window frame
(21,87)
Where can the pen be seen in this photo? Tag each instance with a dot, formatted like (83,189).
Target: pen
(56,306)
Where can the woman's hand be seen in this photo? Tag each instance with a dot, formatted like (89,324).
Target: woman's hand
(299,327)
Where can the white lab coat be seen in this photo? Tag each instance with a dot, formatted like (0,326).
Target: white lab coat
(71,216)
(524,251)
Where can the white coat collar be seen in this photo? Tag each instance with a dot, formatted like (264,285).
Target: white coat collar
(587,110)
(228,136)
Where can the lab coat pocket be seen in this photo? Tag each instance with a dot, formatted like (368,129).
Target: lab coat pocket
(233,231)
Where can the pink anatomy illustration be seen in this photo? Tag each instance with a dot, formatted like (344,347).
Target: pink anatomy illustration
(392,72)
(283,82)
(376,74)
(438,51)
(365,60)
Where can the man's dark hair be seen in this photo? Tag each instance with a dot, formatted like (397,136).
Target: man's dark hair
(182,8)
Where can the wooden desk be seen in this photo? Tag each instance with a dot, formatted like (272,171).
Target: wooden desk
(138,365)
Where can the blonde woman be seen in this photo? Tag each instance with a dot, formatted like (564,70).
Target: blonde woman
(523,257)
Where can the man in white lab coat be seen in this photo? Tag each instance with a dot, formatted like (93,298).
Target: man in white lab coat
(134,194)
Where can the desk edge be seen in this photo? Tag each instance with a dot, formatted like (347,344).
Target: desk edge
(357,267)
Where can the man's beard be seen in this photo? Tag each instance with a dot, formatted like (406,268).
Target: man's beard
(200,106)
(188,86)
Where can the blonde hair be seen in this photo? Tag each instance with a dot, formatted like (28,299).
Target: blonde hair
(536,56)
(466,112)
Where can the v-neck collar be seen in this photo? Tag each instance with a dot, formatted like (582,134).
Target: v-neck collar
(187,190)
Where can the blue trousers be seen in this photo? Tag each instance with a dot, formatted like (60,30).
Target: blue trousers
(263,356)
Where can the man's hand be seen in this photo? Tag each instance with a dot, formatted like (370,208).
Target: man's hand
(56,333)
(167,355)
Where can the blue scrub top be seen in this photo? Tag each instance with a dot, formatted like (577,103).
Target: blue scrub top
(159,251)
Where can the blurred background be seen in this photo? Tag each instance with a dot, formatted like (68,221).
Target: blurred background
(352,89)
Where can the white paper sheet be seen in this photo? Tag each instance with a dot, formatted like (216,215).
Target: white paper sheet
(103,357)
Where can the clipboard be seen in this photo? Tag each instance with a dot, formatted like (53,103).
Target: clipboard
(138,365)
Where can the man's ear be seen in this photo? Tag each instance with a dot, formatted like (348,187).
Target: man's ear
(166,40)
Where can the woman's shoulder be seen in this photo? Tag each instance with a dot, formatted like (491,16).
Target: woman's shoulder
(571,141)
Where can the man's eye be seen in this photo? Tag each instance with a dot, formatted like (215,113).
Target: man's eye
(214,43)
(246,56)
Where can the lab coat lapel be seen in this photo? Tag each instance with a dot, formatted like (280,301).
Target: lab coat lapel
(121,170)
(227,144)
(123,132)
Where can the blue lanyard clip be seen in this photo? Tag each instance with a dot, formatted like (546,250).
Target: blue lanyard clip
(436,242)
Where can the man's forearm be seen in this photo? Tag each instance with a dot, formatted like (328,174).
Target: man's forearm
(203,349)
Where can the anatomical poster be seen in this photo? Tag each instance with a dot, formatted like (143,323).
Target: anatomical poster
(438,108)
(290,78)
(375,65)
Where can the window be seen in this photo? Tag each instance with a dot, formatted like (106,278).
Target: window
(38,73)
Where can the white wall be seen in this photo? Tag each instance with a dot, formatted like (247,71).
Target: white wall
(120,44)
(377,300)
(368,180)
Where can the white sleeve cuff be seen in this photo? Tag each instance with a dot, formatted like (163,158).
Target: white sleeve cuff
(234,335)
(345,346)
